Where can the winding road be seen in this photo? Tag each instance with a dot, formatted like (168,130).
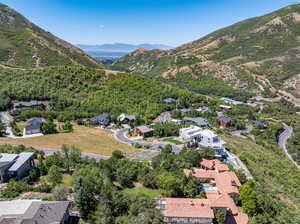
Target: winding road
(283,137)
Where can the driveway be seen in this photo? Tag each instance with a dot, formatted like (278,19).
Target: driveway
(6,118)
(283,137)
(120,135)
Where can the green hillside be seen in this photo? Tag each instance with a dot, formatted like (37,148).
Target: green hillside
(258,54)
(82,91)
(23,44)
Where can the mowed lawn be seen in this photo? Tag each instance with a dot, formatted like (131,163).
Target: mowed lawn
(87,139)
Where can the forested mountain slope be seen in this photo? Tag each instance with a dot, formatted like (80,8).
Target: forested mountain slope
(259,54)
(83,92)
(23,44)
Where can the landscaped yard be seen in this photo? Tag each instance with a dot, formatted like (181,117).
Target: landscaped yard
(172,140)
(142,190)
(87,139)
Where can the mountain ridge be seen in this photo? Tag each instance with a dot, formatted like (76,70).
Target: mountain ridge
(243,54)
(23,44)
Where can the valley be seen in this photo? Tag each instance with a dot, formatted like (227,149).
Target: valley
(207,132)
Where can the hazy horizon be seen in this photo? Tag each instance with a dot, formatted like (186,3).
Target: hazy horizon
(136,22)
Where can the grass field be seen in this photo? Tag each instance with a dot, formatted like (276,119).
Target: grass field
(142,190)
(67,180)
(176,142)
(87,139)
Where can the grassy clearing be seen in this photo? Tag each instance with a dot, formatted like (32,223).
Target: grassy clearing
(87,139)
(67,180)
(176,142)
(142,190)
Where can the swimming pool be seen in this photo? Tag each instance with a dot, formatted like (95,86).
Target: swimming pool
(209,188)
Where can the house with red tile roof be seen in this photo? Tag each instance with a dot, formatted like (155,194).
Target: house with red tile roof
(221,189)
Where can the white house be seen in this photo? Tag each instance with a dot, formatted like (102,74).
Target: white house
(206,138)
(231,101)
(192,133)
(210,139)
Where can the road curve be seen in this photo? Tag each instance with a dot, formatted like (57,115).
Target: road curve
(120,135)
(283,137)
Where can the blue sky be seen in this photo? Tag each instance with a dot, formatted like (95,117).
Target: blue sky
(172,22)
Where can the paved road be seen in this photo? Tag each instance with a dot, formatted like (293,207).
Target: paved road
(120,135)
(283,137)
(49,152)
(83,154)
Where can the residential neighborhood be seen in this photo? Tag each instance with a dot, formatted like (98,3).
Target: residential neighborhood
(221,189)
(195,130)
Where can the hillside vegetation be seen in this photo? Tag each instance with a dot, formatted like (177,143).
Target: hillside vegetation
(259,54)
(82,92)
(23,44)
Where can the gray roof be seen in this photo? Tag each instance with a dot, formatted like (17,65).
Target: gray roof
(185,110)
(103,119)
(202,109)
(5,157)
(197,120)
(22,158)
(259,123)
(34,123)
(32,211)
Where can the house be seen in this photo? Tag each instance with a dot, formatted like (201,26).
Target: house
(225,107)
(210,139)
(169,100)
(185,110)
(192,133)
(224,121)
(15,165)
(185,210)
(209,164)
(33,126)
(259,124)
(126,118)
(176,121)
(206,138)
(102,119)
(164,117)
(197,121)
(144,131)
(202,109)
(231,101)
(34,211)
(221,187)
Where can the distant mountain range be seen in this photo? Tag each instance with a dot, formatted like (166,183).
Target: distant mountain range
(116,50)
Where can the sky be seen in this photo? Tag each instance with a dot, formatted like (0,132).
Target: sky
(171,22)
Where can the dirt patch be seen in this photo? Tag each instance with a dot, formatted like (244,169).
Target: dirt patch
(275,21)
